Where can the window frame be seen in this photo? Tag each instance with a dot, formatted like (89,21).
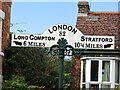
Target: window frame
(2,16)
(100,60)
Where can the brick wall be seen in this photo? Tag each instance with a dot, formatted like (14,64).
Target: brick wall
(6,7)
(76,73)
(106,24)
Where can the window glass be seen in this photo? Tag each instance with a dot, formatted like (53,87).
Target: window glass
(94,70)
(83,86)
(84,69)
(106,71)
(117,70)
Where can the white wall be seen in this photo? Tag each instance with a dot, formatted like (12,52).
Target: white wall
(2,15)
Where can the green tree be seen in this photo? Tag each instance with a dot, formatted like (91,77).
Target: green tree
(37,68)
(15,82)
(67,73)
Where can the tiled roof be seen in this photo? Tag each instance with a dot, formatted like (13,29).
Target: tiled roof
(104,12)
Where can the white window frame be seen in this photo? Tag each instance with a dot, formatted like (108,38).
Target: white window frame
(88,71)
(2,16)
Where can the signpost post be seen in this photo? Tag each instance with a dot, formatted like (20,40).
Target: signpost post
(61,48)
(63,34)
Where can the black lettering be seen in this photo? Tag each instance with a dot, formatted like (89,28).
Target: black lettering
(87,45)
(94,39)
(103,39)
(15,37)
(49,38)
(110,40)
(74,30)
(43,44)
(64,27)
(25,43)
(82,38)
(108,45)
(60,33)
(64,33)
(35,38)
(31,37)
(18,43)
(69,28)
(89,39)
(101,46)
(30,43)
(50,31)
(19,37)
(78,45)
(26,38)
(46,37)
(54,28)
(53,38)
(59,27)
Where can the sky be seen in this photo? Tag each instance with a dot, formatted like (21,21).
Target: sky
(62,0)
(35,17)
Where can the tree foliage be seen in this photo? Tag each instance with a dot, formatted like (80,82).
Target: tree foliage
(37,68)
(67,73)
(15,82)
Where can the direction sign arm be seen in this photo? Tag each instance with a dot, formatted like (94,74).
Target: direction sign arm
(54,50)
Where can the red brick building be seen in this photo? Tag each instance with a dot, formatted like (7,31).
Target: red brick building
(5,9)
(97,68)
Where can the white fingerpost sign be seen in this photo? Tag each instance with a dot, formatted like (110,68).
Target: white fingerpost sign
(73,36)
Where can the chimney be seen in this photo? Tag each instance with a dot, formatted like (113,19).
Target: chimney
(83,8)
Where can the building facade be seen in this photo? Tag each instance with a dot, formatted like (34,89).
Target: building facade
(5,9)
(97,68)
